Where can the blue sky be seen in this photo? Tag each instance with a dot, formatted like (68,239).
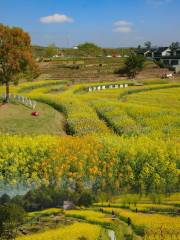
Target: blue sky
(109,23)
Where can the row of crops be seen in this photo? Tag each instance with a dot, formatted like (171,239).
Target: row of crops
(130,115)
(136,119)
(149,226)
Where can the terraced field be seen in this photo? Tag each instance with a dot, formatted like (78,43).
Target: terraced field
(140,113)
(81,70)
(94,224)
(74,232)
(117,140)
(99,69)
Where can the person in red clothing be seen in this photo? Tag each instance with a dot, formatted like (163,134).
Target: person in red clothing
(35,114)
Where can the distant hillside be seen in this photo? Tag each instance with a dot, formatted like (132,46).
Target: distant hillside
(40,51)
(92,69)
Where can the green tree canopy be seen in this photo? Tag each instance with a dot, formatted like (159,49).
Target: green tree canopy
(174,45)
(5,199)
(90,49)
(148,45)
(133,65)
(51,50)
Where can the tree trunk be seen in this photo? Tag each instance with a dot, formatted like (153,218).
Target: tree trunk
(7,91)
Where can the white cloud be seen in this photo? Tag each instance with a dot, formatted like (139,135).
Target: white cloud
(123,26)
(56,18)
(122,23)
(158,2)
(123,29)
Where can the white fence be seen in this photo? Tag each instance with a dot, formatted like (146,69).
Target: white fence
(23,100)
(103,87)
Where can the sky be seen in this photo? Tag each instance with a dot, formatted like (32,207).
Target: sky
(108,23)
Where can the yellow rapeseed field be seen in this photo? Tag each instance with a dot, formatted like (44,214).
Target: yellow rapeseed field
(89,215)
(150,221)
(71,232)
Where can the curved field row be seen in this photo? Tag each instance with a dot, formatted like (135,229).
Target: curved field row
(151,224)
(73,232)
(130,117)
(138,115)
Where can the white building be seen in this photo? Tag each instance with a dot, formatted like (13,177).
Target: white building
(75,48)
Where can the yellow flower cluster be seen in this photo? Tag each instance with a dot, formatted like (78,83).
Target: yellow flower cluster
(92,161)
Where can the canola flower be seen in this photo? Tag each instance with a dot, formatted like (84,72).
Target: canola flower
(150,221)
(89,160)
(73,232)
(89,215)
(48,211)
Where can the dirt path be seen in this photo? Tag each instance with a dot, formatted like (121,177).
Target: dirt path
(111,235)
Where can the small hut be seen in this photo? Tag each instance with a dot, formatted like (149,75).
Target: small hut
(68,205)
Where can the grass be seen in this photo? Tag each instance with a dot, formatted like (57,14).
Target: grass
(17,119)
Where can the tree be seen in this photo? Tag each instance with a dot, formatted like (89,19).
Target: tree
(18,200)
(37,199)
(174,45)
(5,199)
(133,65)
(15,55)
(11,217)
(85,199)
(148,45)
(90,49)
(51,50)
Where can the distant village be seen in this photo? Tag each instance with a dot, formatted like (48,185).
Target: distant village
(168,56)
(165,56)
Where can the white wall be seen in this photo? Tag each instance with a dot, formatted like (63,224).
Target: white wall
(177,68)
(166,52)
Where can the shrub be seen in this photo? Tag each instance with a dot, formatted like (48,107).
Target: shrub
(4,199)
(85,199)
(11,216)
